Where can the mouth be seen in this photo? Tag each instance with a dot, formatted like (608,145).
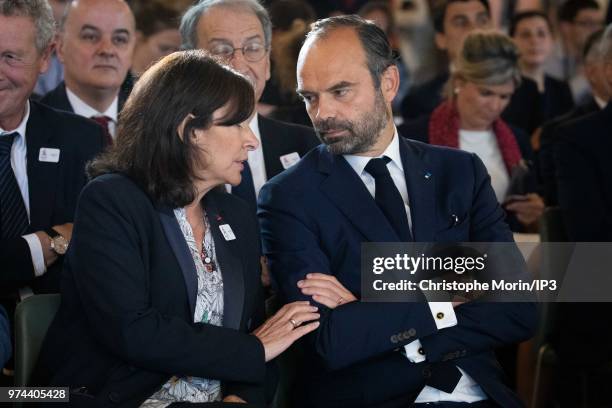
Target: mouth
(105,67)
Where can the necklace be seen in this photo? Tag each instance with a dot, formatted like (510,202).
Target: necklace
(207,253)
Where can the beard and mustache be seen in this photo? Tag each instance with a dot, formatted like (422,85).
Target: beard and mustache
(355,136)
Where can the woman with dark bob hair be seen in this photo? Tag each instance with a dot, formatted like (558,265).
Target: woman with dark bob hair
(161,294)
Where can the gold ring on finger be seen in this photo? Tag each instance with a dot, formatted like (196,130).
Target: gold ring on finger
(294,323)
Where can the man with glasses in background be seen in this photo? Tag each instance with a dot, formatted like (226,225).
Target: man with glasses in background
(239,32)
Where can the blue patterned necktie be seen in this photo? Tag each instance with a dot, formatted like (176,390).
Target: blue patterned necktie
(13,215)
(388,197)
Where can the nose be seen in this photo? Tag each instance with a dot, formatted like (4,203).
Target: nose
(250,140)
(106,48)
(497,105)
(238,62)
(324,109)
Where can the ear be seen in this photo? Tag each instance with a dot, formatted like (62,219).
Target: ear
(59,47)
(181,128)
(45,57)
(389,83)
(440,40)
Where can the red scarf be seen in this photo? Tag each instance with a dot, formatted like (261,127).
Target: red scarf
(444,131)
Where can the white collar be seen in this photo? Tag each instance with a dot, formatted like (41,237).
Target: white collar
(392,151)
(81,108)
(21,129)
(254,125)
(600,102)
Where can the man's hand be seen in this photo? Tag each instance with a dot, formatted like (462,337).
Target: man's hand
(65,230)
(325,289)
(45,242)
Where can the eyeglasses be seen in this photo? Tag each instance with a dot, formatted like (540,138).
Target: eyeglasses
(252,52)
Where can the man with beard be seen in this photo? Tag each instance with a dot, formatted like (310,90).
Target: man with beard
(367,184)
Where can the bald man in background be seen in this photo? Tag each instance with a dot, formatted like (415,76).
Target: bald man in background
(96,45)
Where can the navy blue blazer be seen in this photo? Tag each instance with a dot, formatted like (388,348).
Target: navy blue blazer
(53,188)
(314,218)
(584,174)
(125,324)
(58,98)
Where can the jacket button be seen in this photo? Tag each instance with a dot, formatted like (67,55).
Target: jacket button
(113,396)
(407,335)
(394,339)
(440,316)
(426,373)
(421,351)
(412,332)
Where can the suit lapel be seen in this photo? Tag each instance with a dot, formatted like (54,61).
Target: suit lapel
(346,190)
(181,251)
(228,257)
(421,192)
(270,151)
(42,176)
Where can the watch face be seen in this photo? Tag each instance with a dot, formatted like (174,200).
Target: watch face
(60,245)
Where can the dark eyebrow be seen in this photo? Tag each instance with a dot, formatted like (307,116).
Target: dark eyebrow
(340,85)
(122,31)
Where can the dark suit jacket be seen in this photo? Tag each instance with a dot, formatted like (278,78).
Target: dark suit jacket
(53,188)
(523,111)
(315,216)
(58,98)
(281,138)
(548,141)
(584,174)
(129,286)
(5,338)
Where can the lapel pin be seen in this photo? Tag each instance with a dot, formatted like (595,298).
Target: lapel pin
(427,175)
(455,219)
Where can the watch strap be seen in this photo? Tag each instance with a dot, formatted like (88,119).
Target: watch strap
(52,233)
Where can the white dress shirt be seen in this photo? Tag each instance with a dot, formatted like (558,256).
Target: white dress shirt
(466,390)
(256,160)
(20,169)
(81,108)
(484,144)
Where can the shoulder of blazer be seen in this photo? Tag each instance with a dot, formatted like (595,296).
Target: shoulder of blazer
(66,126)
(58,99)
(272,127)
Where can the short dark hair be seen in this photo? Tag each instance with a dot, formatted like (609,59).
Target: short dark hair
(152,17)
(438,11)
(517,18)
(379,54)
(148,148)
(570,9)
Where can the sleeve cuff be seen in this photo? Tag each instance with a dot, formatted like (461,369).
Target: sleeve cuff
(443,314)
(414,351)
(38,259)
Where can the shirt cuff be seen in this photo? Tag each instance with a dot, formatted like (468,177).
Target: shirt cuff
(443,314)
(38,259)
(414,351)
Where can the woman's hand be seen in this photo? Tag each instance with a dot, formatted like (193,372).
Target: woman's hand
(286,326)
(528,210)
(233,398)
(326,290)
